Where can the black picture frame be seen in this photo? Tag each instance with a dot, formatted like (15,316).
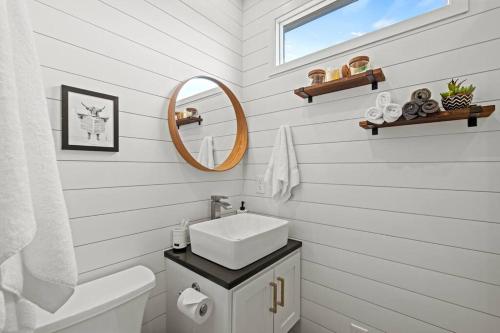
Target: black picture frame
(65,101)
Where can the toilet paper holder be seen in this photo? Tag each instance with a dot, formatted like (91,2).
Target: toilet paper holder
(195,286)
(204,308)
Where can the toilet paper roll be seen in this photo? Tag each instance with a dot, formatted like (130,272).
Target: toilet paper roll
(195,305)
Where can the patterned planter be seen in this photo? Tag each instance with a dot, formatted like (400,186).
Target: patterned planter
(456,102)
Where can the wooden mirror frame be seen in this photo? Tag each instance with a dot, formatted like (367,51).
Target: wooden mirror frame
(240,144)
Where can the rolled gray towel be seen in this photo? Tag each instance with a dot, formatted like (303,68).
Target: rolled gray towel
(431,106)
(421,95)
(422,113)
(411,110)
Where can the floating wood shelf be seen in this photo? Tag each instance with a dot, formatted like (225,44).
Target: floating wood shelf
(188,120)
(372,77)
(471,114)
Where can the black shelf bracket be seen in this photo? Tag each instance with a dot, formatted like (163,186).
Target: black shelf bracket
(472,122)
(309,99)
(375,131)
(474,112)
(372,79)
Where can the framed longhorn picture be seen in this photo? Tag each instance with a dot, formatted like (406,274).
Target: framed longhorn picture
(89,120)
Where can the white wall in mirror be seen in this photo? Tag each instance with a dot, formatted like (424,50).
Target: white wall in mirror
(218,125)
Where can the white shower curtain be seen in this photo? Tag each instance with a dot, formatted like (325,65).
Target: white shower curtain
(37,261)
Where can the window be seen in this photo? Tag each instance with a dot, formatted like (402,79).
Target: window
(196,86)
(329,24)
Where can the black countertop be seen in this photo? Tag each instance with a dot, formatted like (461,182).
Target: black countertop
(226,277)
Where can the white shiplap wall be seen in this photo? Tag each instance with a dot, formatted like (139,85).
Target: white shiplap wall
(124,205)
(401,230)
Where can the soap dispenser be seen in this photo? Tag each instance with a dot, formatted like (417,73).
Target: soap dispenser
(242,209)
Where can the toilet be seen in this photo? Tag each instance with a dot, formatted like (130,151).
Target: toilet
(112,304)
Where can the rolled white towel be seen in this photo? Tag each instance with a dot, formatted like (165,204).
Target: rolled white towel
(392,112)
(383,99)
(374,115)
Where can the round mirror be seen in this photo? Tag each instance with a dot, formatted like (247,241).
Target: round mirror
(207,124)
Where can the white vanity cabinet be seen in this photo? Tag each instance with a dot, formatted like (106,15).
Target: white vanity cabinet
(287,276)
(266,302)
(271,301)
(251,306)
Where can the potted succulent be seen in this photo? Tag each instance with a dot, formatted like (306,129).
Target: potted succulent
(458,96)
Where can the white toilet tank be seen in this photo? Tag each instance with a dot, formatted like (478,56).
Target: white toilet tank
(112,304)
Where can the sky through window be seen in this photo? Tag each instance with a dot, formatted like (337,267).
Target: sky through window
(351,21)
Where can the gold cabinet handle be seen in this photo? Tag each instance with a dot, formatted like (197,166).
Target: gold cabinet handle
(282,282)
(274,308)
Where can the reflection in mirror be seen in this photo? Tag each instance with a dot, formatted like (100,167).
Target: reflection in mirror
(206,121)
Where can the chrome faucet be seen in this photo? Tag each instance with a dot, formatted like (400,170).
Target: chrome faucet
(216,204)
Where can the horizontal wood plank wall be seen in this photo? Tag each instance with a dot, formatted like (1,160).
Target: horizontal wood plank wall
(401,231)
(124,205)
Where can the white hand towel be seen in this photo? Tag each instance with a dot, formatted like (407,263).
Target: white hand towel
(37,262)
(282,173)
(206,153)
(374,115)
(21,315)
(383,99)
(392,112)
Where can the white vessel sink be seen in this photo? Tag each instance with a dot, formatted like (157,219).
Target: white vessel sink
(238,240)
